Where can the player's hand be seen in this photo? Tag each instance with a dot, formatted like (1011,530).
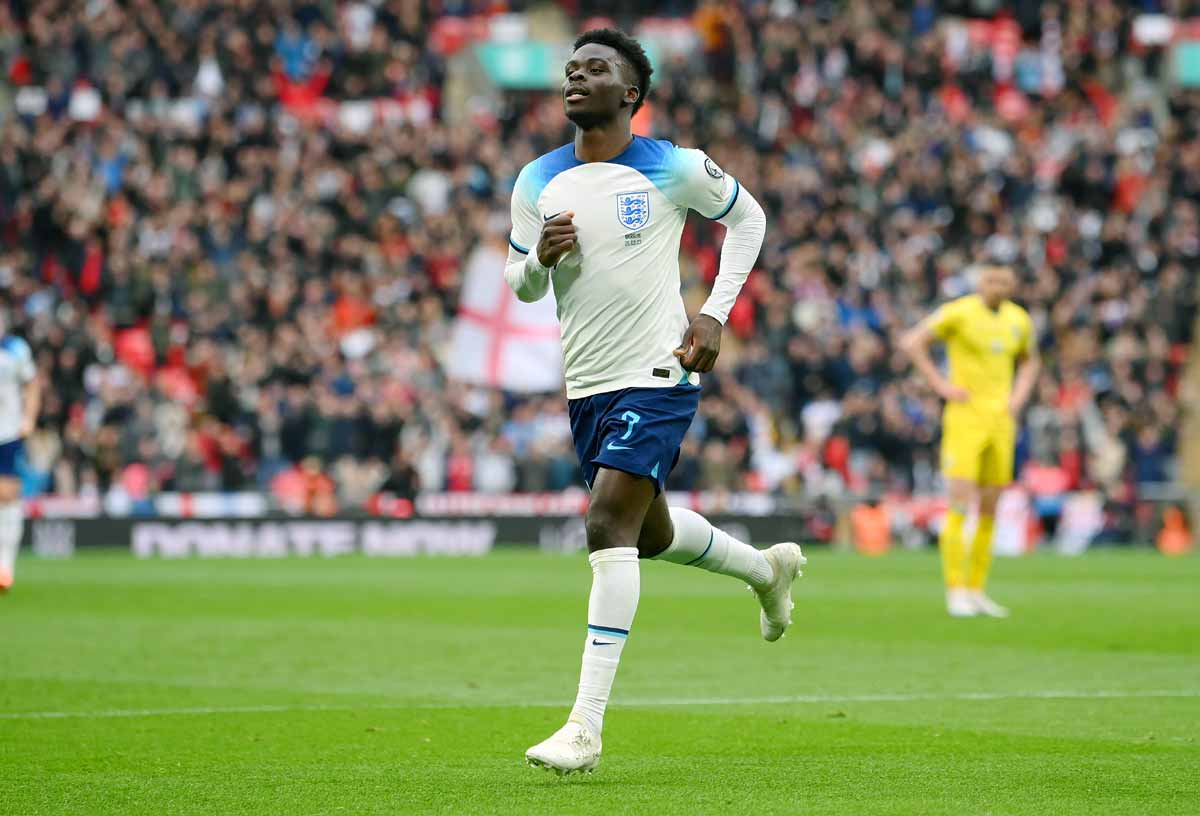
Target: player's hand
(28,426)
(700,345)
(952,393)
(557,239)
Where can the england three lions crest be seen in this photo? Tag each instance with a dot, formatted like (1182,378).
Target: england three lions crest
(633,210)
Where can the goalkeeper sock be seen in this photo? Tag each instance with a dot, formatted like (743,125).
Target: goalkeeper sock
(953,556)
(981,552)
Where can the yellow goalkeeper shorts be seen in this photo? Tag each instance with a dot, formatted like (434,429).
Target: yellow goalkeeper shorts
(978,447)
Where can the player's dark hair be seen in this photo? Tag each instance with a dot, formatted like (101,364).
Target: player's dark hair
(627,47)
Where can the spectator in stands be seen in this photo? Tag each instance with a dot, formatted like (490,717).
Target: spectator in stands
(208,248)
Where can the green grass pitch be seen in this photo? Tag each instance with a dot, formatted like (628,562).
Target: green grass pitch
(359,686)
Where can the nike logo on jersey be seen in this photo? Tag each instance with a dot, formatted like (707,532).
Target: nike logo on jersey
(603,642)
(611,446)
(546,218)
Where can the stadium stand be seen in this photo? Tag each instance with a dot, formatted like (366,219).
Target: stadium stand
(235,234)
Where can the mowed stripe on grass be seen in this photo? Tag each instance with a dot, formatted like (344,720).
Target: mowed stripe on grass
(808,699)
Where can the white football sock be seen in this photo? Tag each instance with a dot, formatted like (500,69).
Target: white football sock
(12,517)
(699,544)
(616,582)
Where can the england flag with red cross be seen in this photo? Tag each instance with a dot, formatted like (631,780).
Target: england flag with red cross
(499,341)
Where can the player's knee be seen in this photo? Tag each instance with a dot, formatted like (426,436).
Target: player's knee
(988,499)
(607,527)
(10,490)
(653,541)
(961,495)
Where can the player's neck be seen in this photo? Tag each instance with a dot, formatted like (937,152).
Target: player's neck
(604,142)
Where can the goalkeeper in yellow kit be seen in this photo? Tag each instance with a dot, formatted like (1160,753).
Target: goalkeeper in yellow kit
(994,363)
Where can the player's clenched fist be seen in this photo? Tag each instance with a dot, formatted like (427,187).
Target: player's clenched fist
(557,239)
(700,345)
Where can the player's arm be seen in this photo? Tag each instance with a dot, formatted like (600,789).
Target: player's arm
(31,402)
(915,343)
(1029,366)
(535,245)
(31,391)
(528,273)
(713,194)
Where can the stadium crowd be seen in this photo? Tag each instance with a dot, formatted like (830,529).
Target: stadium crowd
(226,291)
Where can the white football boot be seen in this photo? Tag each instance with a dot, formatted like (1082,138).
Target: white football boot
(960,604)
(986,606)
(785,559)
(571,749)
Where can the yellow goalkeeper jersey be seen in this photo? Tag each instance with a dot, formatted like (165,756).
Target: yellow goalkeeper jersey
(983,346)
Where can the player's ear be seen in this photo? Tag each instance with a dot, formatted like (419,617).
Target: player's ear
(632,94)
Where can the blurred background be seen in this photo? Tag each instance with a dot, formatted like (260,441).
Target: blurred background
(257,249)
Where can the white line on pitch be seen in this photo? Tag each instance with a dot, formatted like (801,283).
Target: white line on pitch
(1049,694)
(920,697)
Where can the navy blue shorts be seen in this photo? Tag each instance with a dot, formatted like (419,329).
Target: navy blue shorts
(637,430)
(10,454)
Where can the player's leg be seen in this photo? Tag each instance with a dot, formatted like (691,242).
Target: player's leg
(981,554)
(961,448)
(614,521)
(995,475)
(12,514)
(961,494)
(682,536)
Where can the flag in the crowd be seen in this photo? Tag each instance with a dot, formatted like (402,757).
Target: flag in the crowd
(499,341)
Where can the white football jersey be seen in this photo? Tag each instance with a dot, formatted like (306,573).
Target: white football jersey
(16,369)
(617,291)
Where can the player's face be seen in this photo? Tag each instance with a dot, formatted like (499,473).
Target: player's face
(596,86)
(996,285)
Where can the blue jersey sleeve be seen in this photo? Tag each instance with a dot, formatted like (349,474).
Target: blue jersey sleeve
(697,183)
(23,356)
(526,219)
